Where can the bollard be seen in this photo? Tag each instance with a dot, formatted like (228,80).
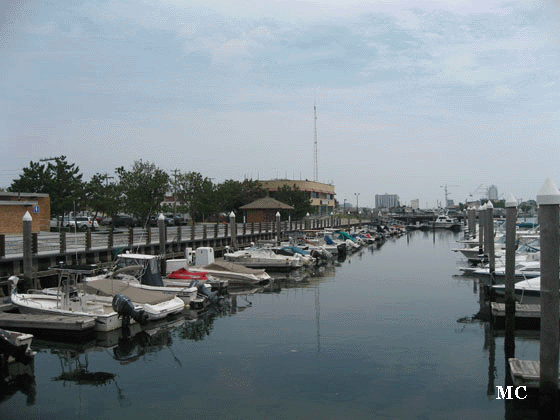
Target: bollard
(511,219)
(490,235)
(278,228)
(27,250)
(162,241)
(233,229)
(548,200)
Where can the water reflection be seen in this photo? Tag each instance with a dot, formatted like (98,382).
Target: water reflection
(17,377)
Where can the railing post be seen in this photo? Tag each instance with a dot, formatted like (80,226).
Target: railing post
(88,239)
(62,241)
(110,239)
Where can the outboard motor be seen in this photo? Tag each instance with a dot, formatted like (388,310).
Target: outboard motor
(203,290)
(124,307)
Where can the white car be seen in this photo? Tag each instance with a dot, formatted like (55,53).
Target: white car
(82,223)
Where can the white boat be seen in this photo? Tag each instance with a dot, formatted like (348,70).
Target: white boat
(529,288)
(264,258)
(16,345)
(444,221)
(143,272)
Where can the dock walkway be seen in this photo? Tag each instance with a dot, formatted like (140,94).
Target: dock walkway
(49,322)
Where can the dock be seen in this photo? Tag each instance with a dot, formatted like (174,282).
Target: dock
(525,372)
(46,322)
(526,315)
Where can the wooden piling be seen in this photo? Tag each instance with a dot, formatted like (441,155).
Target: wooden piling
(511,219)
(548,200)
(27,249)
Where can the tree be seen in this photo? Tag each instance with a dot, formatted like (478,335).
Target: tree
(230,195)
(196,193)
(142,188)
(61,180)
(298,199)
(102,196)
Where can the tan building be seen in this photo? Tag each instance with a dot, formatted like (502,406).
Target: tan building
(321,195)
(13,207)
(263,210)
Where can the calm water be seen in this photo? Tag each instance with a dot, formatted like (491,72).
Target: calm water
(376,337)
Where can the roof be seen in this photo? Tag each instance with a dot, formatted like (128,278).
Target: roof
(266,203)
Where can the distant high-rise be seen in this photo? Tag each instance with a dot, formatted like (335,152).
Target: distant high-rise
(386,201)
(415,204)
(492,192)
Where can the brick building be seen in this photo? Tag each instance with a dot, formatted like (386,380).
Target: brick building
(13,207)
(263,210)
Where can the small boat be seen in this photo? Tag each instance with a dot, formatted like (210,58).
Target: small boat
(16,345)
(264,258)
(529,288)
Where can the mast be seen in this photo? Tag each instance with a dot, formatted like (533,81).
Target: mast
(315,163)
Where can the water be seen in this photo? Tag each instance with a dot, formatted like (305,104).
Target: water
(376,337)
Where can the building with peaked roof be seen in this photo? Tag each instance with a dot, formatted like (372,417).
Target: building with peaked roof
(321,195)
(263,210)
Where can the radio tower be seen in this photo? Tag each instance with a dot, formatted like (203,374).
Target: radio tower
(315,163)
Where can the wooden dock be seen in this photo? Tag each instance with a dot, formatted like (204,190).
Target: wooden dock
(525,372)
(521,310)
(46,322)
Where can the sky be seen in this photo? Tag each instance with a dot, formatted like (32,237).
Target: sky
(413,97)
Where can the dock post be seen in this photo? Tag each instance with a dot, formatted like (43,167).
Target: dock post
(481,238)
(307,226)
(511,219)
(490,235)
(548,199)
(162,242)
(473,222)
(278,228)
(27,250)
(233,230)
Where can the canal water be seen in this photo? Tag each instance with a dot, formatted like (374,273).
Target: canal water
(389,333)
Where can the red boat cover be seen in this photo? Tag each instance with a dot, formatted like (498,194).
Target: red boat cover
(185,274)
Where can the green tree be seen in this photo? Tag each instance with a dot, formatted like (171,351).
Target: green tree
(142,188)
(196,193)
(230,195)
(298,199)
(61,180)
(103,196)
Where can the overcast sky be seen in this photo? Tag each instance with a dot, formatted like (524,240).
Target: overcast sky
(411,95)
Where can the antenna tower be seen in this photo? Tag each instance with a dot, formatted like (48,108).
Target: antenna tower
(315,163)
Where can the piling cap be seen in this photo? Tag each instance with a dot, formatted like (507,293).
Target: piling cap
(548,194)
(277,214)
(161,217)
(307,214)
(232,214)
(489,205)
(511,201)
(27,217)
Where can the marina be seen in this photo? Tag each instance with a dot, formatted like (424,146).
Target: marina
(390,331)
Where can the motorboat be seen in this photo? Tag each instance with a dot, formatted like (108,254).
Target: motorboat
(444,221)
(254,257)
(529,288)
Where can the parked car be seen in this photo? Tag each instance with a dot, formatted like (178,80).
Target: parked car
(81,222)
(120,220)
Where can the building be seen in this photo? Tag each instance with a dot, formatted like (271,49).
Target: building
(13,207)
(263,210)
(415,204)
(386,201)
(321,195)
(492,192)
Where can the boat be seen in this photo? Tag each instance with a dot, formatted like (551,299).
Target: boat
(529,288)
(16,345)
(254,257)
(444,221)
(107,300)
